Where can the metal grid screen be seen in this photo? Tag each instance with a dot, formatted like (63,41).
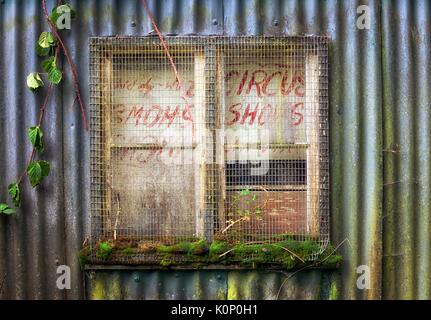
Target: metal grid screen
(231,143)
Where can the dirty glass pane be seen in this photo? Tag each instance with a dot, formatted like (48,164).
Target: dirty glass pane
(271,122)
(154,143)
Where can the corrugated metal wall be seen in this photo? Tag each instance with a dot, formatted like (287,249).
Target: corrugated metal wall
(380,139)
(407,141)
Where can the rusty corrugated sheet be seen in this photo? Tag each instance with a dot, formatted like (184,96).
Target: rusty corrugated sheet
(379,117)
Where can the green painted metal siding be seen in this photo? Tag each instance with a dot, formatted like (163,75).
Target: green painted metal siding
(407,167)
(209,285)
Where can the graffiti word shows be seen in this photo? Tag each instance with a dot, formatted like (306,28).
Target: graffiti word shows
(250,114)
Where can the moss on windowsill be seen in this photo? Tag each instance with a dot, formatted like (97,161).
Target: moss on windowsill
(288,254)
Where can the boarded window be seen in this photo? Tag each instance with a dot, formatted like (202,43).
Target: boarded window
(233,144)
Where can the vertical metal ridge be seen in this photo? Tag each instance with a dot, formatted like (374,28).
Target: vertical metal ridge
(391,153)
(3,169)
(401,179)
(423,162)
(407,171)
(371,102)
(350,157)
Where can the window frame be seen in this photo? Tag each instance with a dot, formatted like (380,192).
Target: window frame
(210,214)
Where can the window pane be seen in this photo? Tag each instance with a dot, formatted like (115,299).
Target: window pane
(268,137)
(154,133)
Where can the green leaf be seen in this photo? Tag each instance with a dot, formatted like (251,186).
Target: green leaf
(258,212)
(15,193)
(46,40)
(49,64)
(4,209)
(55,76)
(244,192)
(36,171)
(41,52)
(60,10)
(254,198)
(35,135)
(45,167)
(34,81)
(104,251)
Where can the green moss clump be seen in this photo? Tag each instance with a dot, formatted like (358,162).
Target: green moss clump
(190,248)
(166,261)
(217,248)
(193,250)
(257,254)
(84,255)
(307,248)
(104,251)
(289,261)
(182,247)
(288,252)
(198,248)
(164,249)
(333,260)
(127,251)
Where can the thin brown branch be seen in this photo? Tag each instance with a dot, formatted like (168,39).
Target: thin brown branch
(225,253)
(170,58)
(43,108)
(74,100)
(69,61)
(165,47)
(118,216)
(246,243)
(291,252)
(234,223)
(246,217)
(41,116)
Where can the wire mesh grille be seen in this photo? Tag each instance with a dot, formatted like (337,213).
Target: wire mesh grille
(232,145)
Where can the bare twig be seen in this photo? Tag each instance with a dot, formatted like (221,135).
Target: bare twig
(86,241)
(310,266)
(333,251)
(41,116)
(246,217)
(69,61)
(117,217)
(165,47)
(171,60)
(225,253)
(291,252)
(256,242)
(231,249)
(74,100)
(234,223)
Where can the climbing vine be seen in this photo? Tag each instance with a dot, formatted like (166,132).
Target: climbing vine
(49,46)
